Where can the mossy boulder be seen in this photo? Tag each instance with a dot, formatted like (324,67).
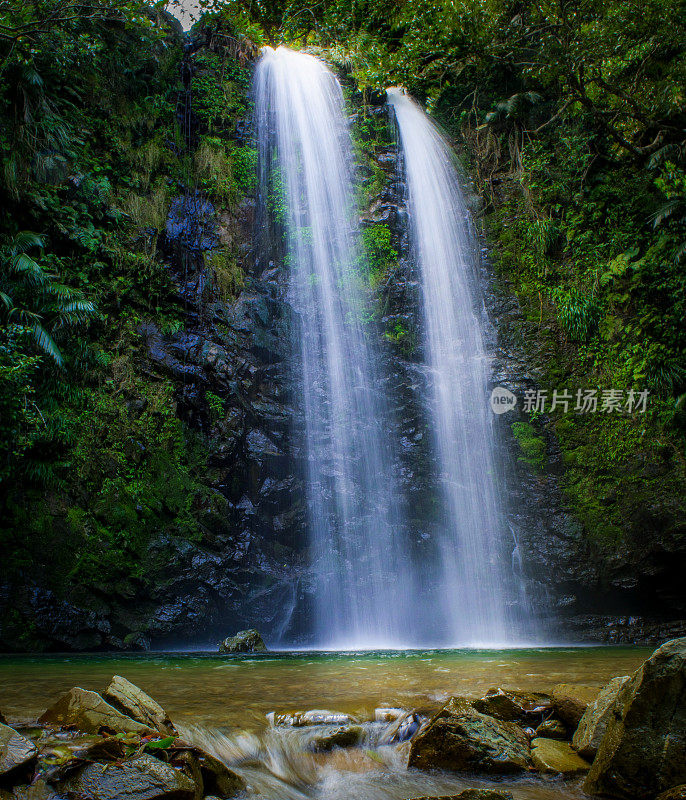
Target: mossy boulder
(88,712)
(643,750)
(552,755)
(248,641)
(593,724)
(461,739)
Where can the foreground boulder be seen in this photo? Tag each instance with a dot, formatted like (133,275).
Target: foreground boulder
(461,739)
(17,754)
(141,778)
(593,724)
(570,701)
(88,712)
(248,641)
(643,750)
(135,703)
(552,755)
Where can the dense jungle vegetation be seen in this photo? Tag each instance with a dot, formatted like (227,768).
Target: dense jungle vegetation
(571,118)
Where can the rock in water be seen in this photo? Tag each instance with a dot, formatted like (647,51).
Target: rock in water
(141,778)
(135,703)
(570,701)
(461,739)
(551,755)
(248,641)
(594,721)
(339,737)
(643,750)
(88,712)
(509,705)
(675,793)
(552,729)
(474,794)
(17,753)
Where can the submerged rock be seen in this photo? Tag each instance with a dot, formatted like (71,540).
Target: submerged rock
(88,712)
(510,705)
(17,753)
(248,641)
(570,701)
(141,778)
(473,793)
(403,729)
(135,703)
(552,729)
(551,755)
(388,714)
(462,739)
(593,724)
(317,716)
(643,750)
(340,737)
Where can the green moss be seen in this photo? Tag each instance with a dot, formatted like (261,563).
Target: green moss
(531,444)
(380,254)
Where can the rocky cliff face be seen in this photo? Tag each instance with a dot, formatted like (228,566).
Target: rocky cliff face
(230,372)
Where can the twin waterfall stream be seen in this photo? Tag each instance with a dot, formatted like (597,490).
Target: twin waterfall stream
(370,588)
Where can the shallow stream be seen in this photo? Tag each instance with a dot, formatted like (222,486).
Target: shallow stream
(221,703)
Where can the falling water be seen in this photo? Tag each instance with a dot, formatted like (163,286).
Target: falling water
(479,591)
(361,573)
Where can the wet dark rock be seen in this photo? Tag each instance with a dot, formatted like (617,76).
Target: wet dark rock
(643,750)
(349,736)
(675,793)
(17,755)
(248,641)
(140,778)
(552,729)
(461,739)
(473,793)
(210,775)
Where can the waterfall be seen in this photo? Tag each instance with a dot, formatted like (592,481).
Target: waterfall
(482,602)
(363,581)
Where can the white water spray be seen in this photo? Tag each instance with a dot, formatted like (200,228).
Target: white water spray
(482,604)
(362,574)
